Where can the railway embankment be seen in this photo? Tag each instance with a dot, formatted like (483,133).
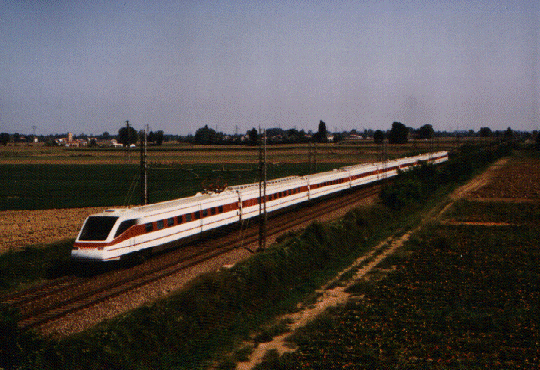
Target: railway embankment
(220,310)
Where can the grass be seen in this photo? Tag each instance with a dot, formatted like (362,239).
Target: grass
(34,264)
(464,299)
(47,186)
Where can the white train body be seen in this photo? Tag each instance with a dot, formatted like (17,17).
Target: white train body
(115,233)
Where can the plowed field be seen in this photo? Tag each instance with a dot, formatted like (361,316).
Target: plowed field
(518,180)
(19,229)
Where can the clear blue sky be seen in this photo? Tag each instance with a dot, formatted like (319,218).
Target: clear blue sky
(88,66)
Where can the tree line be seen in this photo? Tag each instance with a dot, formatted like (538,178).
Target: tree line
(397,134)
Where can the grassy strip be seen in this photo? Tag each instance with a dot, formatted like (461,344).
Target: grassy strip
(219,309)
(33,264)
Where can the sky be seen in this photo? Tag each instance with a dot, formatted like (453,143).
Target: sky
(88,66)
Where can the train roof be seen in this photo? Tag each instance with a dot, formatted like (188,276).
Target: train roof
(284,180)
(160,207)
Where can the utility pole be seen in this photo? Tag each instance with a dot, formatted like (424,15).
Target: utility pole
(144,166)
(312,157)
(263,217)
(127,140)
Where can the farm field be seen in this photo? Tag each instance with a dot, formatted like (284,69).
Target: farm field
(463,294)
(19,229)
(197,154)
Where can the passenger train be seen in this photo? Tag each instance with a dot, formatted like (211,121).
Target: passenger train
(116,233)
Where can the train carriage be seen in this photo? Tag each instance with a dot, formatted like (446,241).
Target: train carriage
(280,193)
(115,233)
(326,183)
(363,173)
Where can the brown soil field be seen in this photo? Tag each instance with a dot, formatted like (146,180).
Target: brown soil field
(518,180)
(20,229)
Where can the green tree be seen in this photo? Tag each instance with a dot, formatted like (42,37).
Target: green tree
(508,134)
(399,134)
(4,138)
(127,136)
(425,132)
(206,136)
(378,137)
(155,137)
(159,137)
(322,135)
(253,137)
(485,132)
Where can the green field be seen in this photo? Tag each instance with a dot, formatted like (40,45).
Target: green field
(467,298)
(46,186)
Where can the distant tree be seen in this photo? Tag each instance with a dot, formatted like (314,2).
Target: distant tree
(155,137)
(292,136)
(4,138)
(339,137)
(378,137)
(92,143)
(425,132)
(159,137)
(508,134)
(322,135)
(399,134)
(105,135)
(127,136)
(205,136)
(253,137)
(485,132)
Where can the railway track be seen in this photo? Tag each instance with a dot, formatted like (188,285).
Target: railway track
(60,297)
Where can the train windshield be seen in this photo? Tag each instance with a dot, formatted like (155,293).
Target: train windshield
(97,227)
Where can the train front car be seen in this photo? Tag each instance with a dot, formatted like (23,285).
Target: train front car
(104,233)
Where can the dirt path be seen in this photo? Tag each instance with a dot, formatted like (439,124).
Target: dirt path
(332,296)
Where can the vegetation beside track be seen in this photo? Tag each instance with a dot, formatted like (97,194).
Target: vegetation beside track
(221,309)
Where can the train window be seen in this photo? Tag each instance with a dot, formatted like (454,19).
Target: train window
(160,224)
(188,217)
(97,227)
(179,220)
(124,226)
(220,209)
(197,215)
(170,222)
(205,213)
(149,227)
(213,211)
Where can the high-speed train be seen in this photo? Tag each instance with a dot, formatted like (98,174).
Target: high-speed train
(115,233)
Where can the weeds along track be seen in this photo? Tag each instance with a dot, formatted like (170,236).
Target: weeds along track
(59,297)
